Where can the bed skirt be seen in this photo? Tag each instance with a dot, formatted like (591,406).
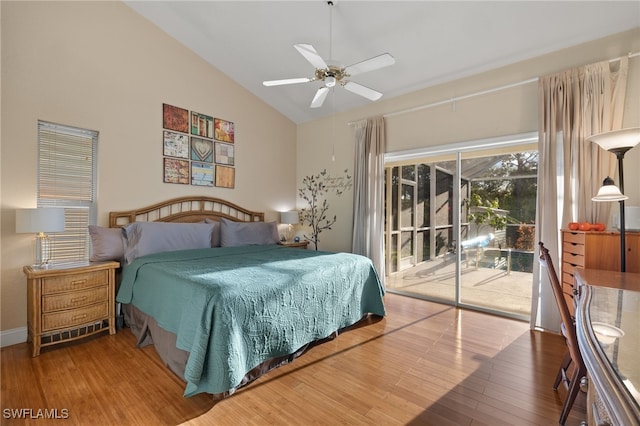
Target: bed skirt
(148,332)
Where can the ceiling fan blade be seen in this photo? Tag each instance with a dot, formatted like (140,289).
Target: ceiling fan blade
(363,91)
(319,98)
(311,55)
(371,64)
(286,81)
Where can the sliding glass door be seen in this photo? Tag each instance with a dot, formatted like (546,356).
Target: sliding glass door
(460,226)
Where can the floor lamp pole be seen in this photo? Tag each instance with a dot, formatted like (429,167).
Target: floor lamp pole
(623,247)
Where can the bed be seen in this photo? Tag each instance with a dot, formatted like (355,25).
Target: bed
(224,313)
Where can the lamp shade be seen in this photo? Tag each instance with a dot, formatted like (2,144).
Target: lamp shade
(623,138)
(609,192)
(290,218)
(43,219)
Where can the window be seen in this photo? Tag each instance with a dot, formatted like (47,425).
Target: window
(67,175)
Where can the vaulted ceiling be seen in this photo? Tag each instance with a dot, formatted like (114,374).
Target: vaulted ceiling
(432,41)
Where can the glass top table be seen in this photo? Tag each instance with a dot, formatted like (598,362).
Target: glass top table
(608,328)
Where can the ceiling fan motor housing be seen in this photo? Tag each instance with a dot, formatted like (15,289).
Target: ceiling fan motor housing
(337,73)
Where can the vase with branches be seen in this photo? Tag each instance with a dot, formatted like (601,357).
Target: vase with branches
(314,190)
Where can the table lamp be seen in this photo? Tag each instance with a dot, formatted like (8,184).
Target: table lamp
(617,142)
(289,218)
(39,221)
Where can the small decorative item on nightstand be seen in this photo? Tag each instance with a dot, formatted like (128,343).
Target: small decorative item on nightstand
(295,244)
(69,303)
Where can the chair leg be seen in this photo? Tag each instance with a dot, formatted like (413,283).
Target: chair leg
(563,368)
(574,388)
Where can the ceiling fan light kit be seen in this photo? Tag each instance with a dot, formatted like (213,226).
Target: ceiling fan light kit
(336,75)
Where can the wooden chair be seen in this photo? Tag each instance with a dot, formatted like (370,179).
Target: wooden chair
(572,369)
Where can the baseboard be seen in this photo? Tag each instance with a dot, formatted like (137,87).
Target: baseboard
(13,336)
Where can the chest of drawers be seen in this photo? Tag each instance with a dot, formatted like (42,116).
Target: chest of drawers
(69,303)
(595,250)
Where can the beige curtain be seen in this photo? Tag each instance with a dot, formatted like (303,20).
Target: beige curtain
(368,192)
(573,105)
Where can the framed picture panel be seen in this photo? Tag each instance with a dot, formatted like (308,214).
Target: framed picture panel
(201,174)
(201,150)
(224,130)
(176,171)
(224,153)
(175,118)
(225,177)
(201,125)
(175,144)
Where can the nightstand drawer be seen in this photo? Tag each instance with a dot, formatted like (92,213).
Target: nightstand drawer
(74,281)
(75,317)
(51,303)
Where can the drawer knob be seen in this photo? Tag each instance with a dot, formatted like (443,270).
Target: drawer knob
(78,282)
(584,384)
(79,317)
(79,299)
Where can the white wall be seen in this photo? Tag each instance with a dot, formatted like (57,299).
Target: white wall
(100,66)
(501,113)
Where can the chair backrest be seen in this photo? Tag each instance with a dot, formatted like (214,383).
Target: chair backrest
(567,320)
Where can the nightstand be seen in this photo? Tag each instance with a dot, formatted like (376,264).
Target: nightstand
(66,303)
(300,244)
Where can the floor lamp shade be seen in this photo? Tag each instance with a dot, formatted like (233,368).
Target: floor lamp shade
(616,139)
(40,221)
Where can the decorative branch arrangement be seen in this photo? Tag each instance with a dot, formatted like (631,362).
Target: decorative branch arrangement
(313,191)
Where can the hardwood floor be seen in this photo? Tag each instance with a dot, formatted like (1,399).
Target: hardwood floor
(423,364)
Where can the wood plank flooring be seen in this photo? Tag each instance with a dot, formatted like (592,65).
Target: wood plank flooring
(423,364)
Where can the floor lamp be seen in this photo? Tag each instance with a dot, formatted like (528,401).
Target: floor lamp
(618,142)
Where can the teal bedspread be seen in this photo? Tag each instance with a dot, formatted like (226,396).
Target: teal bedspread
(234,307)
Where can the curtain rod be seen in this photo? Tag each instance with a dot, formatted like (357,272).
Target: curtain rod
(471,95)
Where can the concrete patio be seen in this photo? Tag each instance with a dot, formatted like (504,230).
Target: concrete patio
(484,286)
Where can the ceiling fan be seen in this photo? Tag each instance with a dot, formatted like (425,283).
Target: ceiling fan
(334,74)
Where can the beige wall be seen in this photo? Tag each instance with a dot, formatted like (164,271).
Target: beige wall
(112,74)
(99,65)
(502,113)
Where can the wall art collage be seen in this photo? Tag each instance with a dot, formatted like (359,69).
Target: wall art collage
(198,149)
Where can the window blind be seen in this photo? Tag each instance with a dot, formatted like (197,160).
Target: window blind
(67,178)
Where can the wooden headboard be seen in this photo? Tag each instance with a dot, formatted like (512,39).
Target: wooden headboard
(185,209)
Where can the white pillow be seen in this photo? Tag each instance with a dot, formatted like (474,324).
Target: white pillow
(145,238)
(247,233)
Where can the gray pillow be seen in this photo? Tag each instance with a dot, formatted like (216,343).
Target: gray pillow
(247,233)
(215,234)
(145,238)
(106,243)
